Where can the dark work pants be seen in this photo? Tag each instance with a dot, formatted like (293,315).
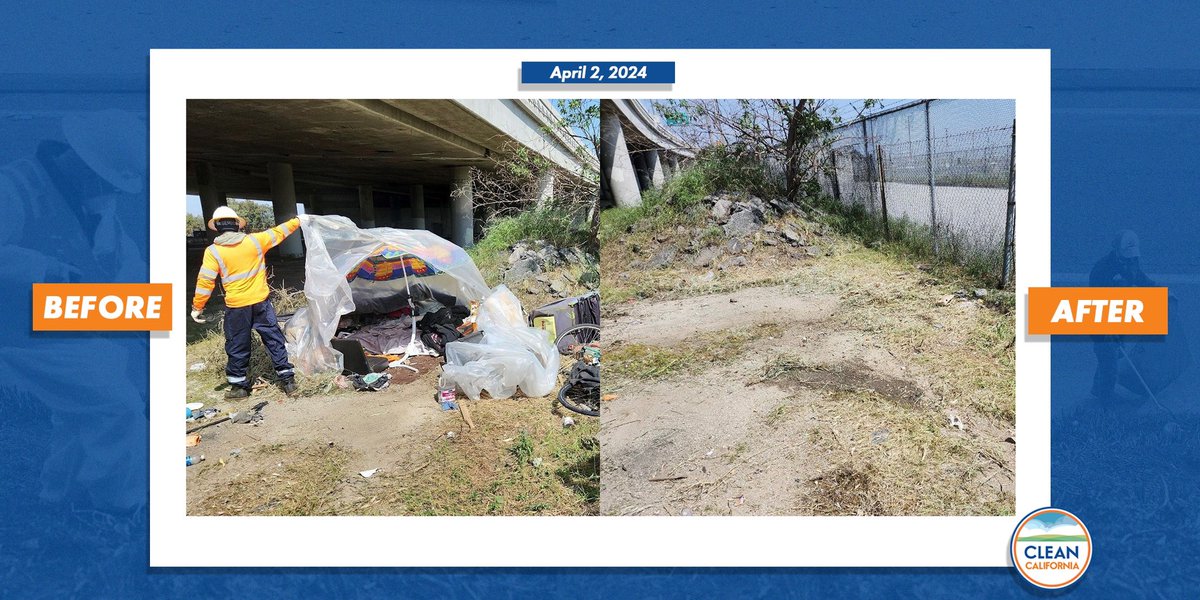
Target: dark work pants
(1104,382)
(239,322)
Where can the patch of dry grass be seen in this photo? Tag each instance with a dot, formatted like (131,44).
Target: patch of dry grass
(648,361)
(904,462)
(307,483)
(519,460)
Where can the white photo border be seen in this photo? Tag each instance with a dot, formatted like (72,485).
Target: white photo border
(178,540)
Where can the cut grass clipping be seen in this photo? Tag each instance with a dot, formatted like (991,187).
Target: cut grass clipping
(647,361)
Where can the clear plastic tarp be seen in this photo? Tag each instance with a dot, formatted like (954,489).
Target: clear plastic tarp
(339,276)
(510,355)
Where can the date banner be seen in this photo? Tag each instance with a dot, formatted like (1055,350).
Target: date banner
(597,72)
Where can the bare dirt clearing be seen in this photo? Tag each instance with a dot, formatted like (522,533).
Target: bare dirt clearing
(837,382)
(306,455)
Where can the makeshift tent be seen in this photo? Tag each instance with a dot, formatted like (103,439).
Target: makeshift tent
(348,269)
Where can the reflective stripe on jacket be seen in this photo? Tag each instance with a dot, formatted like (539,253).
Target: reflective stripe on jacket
(241,267)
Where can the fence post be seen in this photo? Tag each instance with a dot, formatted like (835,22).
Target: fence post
(837,189)
(869,203)
(887,233)
(1010,226)
(933,224)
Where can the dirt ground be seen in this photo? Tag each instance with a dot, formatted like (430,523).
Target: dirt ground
(846,383)
(306,456)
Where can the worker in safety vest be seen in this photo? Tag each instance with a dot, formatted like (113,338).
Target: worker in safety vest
(1119,268)
(238,259)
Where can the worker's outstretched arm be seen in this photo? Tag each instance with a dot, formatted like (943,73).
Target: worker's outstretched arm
(206,281)
(274,236)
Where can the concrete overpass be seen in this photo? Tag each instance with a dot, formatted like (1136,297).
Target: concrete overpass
(394,163)
(637,152)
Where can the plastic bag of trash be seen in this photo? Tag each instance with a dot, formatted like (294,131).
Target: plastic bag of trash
(348,268)
(509,356)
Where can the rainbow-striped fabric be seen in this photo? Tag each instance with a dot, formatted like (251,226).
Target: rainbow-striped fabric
(390,263)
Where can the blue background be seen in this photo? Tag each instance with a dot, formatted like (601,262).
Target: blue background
(1126,124)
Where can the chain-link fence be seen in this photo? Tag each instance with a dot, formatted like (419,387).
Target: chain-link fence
(936,169)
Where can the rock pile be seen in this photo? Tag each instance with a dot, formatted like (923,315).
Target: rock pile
(738,223)
(532,264)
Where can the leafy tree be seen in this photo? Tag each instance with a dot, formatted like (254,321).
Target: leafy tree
(790,135)
(194,222)
(259,216)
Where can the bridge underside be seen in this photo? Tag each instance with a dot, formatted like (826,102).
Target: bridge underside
(395,163)
(637,153)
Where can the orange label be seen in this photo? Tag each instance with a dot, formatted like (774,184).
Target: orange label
(102,306)
(1097,311)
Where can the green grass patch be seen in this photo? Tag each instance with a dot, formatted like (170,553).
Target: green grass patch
(957,258)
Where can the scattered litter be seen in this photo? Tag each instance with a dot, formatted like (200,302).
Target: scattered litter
(449,435)
(537,462)
(568,422)
(342,382)
(368,473)
(221,461)
(687,512)
(206,413)
(980,293)
(193,440)
(446,395)
(198,366)
(253,415)
(881,436)
(673,478)
(191,460)
(957,423)
(710,453)
(1011,439)
(372,382)
(608,397)
(236,452)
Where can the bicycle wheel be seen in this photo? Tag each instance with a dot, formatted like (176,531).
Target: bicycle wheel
(579,334)
(580,402)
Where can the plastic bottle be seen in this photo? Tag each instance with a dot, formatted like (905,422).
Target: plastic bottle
(191,460)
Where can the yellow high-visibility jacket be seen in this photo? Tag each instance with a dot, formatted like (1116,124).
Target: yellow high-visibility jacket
(241,267)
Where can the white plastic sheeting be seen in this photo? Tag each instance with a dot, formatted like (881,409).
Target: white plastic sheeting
(335,248)
(509,356)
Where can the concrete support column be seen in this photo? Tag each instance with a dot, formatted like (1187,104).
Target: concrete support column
(638,159)
(416,204)
(211,195)
(462,208)
(545,189)
(654,169)
(616,169)
(283,201)
(366,206)
(674,162)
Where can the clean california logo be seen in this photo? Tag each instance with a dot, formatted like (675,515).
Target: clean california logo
(1051,548)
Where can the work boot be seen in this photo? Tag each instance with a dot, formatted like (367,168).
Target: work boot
(290,388)
(237,392)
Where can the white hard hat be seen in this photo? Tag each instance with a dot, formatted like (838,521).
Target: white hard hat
(113,144)
(224,212)
(1126,244)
